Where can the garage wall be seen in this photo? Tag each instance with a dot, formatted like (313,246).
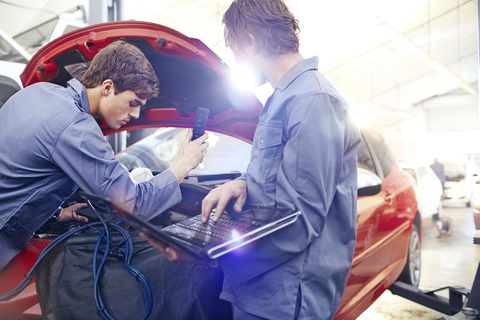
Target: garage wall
(453,119)
(444,127)
(453,126)
(405,136)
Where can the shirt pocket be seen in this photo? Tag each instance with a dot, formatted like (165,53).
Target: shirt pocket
(271,150)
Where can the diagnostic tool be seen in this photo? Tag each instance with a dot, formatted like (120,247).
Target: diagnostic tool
(200,122)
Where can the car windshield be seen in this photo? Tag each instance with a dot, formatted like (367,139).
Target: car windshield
(32,39)
(411,172)
(158,152)
(455,171)
(9,53)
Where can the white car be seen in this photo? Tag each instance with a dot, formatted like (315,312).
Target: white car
(428,188)
(16,52)
(460,184)
(36,37)
(13,59)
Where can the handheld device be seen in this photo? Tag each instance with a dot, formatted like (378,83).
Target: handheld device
(201,118)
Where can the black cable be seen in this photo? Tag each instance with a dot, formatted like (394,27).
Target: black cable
(28,277)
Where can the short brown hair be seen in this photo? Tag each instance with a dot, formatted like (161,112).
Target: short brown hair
(270,22)
(126,66)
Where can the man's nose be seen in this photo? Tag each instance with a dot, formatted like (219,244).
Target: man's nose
(135,113)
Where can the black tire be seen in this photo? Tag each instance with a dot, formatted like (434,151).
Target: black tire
(411,272)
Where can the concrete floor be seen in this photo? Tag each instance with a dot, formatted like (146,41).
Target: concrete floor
(446,260)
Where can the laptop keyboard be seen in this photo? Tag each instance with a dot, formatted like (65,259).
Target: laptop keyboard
(222,229)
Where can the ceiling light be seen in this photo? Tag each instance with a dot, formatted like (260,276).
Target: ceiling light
(408,45)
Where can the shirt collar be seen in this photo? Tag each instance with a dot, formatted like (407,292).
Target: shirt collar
(79,94)
(296,70)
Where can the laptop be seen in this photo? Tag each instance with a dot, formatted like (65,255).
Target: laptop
(208,241)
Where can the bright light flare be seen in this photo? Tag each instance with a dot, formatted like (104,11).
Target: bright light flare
(243,77)
(236,235)
(362,115)
(212,139)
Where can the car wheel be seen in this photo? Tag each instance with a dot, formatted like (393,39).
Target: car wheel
(411,272)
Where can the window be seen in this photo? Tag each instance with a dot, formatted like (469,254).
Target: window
(364,158)
(159,151)
(381,150)
(422,172)
(34,38)
(69,28)
(411,172)
(9,53)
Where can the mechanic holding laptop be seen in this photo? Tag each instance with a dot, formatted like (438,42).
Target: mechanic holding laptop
(51,144)
(303,158)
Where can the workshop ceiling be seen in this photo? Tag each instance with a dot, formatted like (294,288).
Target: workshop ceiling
(355,53)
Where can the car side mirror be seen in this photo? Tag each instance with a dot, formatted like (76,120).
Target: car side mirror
(368,183)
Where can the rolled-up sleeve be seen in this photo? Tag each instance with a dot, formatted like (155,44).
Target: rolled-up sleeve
(86,157)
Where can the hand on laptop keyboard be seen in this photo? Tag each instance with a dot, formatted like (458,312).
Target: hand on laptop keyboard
(221,196)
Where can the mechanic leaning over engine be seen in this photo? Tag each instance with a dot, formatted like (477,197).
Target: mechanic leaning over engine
(51,144)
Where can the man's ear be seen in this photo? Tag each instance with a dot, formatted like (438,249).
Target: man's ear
(107,87)
(253,45)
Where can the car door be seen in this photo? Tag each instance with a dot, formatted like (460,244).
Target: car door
(394,230)
(372,251)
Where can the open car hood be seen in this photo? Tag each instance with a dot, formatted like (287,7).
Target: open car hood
(190,75)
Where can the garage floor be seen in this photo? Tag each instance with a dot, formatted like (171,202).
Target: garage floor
(446,260)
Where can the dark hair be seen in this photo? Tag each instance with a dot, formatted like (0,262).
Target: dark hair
(126,66)
(270,22)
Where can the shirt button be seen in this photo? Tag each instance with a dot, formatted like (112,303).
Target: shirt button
(261,141)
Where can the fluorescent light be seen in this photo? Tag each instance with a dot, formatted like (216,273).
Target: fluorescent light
(408,45)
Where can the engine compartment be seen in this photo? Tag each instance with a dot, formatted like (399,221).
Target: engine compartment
(193,189)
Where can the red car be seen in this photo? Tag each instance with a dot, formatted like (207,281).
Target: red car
(476,206)
(192,76)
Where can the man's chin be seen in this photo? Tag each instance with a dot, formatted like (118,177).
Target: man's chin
(115,126)
(260,80)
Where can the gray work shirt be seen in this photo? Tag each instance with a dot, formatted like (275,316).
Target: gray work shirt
(49,146)
(303,158)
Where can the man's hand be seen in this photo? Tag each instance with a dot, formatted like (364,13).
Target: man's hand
(221,196)
(190,155)
(171,254)
(70,214)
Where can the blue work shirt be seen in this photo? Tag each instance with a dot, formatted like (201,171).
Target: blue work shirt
(303,158)
(50,145)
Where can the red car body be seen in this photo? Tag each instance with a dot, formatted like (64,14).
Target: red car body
(384,220)
(476,207)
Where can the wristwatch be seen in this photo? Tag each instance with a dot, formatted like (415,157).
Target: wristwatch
(56,214)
